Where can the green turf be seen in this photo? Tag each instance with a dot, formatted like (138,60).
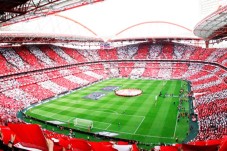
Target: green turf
(141,118)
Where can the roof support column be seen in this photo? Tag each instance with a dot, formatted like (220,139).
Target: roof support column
(207,43)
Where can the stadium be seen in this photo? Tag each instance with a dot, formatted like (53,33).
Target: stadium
(113,75)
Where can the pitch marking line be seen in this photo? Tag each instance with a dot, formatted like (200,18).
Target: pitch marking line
(53,114)
(175,125)
(143,117)
(108,127)
(50,113)
(51,118)
(139,125)
(70,121)
(113,112)
(101,110)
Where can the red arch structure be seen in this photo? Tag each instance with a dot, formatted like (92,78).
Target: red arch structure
(74,21)
(153,22)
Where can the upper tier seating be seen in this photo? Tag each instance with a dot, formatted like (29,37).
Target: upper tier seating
(29,58)
(53,55)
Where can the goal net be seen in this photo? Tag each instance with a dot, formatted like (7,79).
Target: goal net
(83,123)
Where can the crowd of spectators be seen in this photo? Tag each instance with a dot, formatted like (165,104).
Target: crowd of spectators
(208,84)
(77,80)
(209,97)
(91,55)
(209,80)
(65,72)
(183,51)
(193,69)
(62,54)
(213,57)
(4,85)
(138,69)
(93,74)
(57,89)
(202,77)
(21,96)
(166,70)
(210,103)
(44,59)
(127,52)
(212,127)
(13,58)
(41,55)
(155,51)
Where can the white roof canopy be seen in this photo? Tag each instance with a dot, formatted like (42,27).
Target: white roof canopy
(119,19)
(213,25)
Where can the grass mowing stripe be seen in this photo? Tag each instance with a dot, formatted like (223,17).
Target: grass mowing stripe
(171,89)
(159,119)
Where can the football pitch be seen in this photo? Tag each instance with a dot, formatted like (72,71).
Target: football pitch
(141,118)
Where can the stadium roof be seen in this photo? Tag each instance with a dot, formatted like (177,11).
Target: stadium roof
(118,19)
(104,20)
(13,11)
(214,26)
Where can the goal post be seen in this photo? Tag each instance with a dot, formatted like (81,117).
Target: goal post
(83,123)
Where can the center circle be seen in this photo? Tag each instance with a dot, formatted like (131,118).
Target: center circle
(128,92)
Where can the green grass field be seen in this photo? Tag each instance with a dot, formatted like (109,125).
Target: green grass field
(141,118)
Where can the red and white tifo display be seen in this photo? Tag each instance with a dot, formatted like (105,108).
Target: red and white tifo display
(128,92)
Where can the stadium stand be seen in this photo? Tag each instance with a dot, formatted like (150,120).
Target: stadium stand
(53,55)
(28,57)
(37,67)
(142,52)
(74,54)
(125,68)
(35,73)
